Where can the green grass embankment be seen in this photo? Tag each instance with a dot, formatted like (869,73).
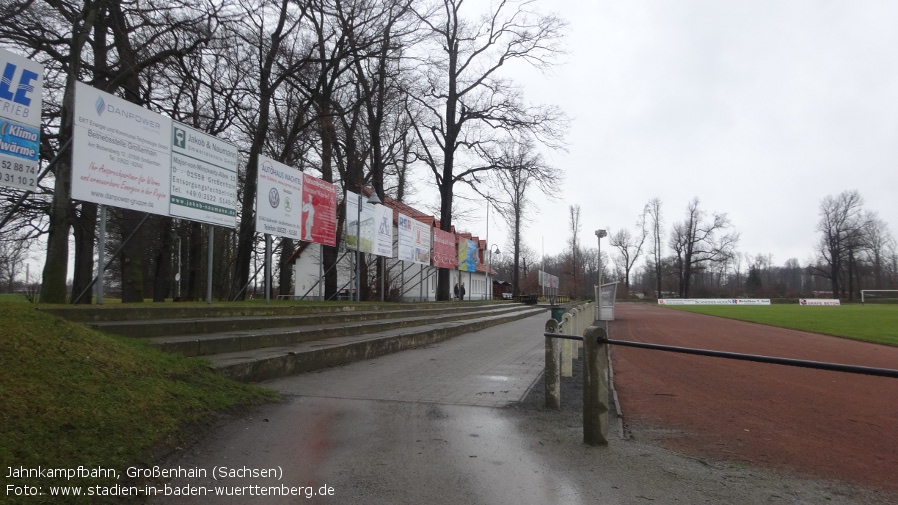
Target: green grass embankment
(71,396)
(871,323)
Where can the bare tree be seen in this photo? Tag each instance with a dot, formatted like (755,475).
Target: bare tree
(629,248)
(653,211)
(109,45)
(697,241)
(277,57)
(13,253)
(879,244)
(521,167)
(468,105)
(70,26)
(207,90)
(574,260)
(841,223)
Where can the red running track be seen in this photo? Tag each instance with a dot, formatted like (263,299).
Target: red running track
(811,422)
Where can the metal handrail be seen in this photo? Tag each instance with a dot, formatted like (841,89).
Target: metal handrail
(563,336)
(819,365)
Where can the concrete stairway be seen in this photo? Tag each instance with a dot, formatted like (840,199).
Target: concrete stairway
(255,343)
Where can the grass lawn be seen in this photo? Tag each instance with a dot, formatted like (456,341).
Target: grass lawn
(71,396)
(872,323)
(10,298)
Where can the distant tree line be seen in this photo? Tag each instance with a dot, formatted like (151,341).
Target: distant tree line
(699,257)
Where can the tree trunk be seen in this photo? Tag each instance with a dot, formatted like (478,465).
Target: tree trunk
(132,258)
(53,283)
(162,276)
(285,279)
(195,261)
(84,229)
(329,253)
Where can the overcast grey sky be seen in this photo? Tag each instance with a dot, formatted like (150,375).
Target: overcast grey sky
(760,109)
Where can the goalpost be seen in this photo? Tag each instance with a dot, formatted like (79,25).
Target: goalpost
(864,291)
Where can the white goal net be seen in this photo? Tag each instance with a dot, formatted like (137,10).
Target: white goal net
(878,295)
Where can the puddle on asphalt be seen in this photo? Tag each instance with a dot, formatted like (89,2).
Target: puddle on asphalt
(488,448)
(501,378)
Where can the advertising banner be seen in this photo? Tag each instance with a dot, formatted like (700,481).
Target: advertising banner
(714,301)
(21,88)
(467,255)
(819,302)
(405,250)
(203,177)
(278,194)
(361,223)
(319,211)
(423,236)
(121,154)
(548,280)
(383,219)
(443,249)
(414,240)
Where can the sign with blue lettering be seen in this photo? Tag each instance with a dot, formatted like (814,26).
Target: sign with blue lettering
(21,86)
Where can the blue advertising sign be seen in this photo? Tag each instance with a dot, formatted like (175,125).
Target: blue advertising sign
(21,85)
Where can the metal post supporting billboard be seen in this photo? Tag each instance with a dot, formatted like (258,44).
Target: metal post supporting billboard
(90,286)
(358,245)
(101,256)
(267,268)
(211,253)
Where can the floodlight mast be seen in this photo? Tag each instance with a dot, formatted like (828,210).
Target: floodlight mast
(374,200)
(493,249)
(599,235)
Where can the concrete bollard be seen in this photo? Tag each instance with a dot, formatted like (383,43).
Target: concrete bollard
(595,386)
(552,374)
(567,358)
(567,349)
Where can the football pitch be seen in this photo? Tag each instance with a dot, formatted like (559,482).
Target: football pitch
(871,323)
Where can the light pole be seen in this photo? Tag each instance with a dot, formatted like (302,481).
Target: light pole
(489,269)
(600,234)
(178,275)
(374,200)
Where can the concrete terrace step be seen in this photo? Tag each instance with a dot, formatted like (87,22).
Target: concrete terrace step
(205,324)
(305,329)
(281,361)
(166,311)
(251,342)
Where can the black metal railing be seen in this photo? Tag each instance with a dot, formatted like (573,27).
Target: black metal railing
(819,365)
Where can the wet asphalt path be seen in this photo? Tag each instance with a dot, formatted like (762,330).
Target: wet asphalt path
(421,426)
(441,425)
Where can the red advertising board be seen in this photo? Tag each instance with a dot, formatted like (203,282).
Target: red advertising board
(443,249)
(319,211)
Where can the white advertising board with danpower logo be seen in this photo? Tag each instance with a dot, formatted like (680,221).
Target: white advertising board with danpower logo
(121,154)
